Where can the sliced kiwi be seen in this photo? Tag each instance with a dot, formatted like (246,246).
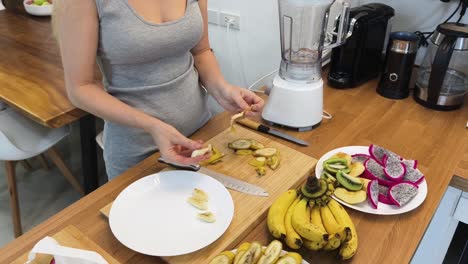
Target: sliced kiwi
(350,183)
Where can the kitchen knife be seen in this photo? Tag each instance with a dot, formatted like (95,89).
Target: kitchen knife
(227,181)
(264,129)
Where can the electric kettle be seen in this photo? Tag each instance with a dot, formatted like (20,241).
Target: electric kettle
(442,79)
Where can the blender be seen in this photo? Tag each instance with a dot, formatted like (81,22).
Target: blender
(296,97)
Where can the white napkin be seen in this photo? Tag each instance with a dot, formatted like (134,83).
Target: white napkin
(64,255)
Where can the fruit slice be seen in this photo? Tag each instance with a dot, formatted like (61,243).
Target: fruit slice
(271,253)
(296,256)
(401,193)
(410,163)
(244,152)
(265,152)
(273,162)
(373,193)
(240,144)
(287,260)
(413,175)
(360,158)
(365,183)
(375,171)
(350,183)
(356,169)
(201,152)
(258,162)
(384,199)
(252,255)
(244,246)
(198,203)
(221,259)
(342,155)
(207,217)
(200,194)
(256,145)
(378,153)
(394,168)
(350,197)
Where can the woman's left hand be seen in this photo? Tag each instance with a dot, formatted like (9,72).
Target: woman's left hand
(236,99)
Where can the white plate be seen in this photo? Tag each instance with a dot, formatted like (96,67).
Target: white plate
(283,252)
(152,215)
(366,207)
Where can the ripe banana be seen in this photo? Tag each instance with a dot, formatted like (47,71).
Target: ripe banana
(316,220)
(330,223)
(349,247)
(333,239)
(252,255)
(301,223)
(293,240)
(277,212)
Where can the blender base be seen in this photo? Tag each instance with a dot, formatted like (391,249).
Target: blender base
(299,129)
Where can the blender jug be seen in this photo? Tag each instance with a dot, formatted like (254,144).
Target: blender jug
(302,33)
(442,79)
(296,98)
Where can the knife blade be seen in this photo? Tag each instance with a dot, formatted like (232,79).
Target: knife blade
(268,130)
(228,181)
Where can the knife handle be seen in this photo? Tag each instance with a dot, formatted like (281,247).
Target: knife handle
(194,167)
(253,125)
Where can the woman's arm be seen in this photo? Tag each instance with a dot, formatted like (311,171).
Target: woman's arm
(232,98)
(76,28)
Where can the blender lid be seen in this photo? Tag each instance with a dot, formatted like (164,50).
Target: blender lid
(453,29)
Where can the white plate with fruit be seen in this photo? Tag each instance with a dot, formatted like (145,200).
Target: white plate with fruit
(38,7)
(171,213)
(255,253)
(373,180)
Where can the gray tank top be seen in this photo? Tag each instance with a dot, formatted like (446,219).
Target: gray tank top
(148,66)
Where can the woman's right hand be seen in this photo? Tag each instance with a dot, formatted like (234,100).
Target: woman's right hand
(173,146)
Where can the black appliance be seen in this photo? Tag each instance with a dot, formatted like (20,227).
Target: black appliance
(361,57)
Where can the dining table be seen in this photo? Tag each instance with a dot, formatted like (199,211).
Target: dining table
(32,81)
(360,117)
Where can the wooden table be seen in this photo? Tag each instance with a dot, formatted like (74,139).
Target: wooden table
(439,140)
(31,81)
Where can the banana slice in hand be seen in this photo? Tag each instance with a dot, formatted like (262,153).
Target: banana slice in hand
(207,217)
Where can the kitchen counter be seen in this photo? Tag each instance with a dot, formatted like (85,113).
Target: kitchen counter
(438,140)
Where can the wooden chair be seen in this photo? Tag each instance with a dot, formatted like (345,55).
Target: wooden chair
(21,139)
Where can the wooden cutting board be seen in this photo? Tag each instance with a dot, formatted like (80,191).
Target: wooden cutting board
(70,236)
(249,210)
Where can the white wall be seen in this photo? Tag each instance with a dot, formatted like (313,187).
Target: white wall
(258,38)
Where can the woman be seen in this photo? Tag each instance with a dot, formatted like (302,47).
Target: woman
(152,55)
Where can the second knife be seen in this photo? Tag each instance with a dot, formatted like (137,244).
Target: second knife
(264,129)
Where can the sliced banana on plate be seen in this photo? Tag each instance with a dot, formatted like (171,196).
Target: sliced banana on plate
(207,217)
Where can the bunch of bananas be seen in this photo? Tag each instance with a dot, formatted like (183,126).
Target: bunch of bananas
(255,253)
(308,220)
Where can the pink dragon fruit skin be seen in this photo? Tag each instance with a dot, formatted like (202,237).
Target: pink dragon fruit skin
(373,170)
(401,193)
(360,158)
(373,193)
(394,169)
(378,153)
(384,199)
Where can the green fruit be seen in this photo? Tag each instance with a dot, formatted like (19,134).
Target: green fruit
(39,2)
(45,3)
(350,183)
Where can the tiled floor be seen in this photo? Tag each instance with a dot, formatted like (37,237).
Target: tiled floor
(42,192)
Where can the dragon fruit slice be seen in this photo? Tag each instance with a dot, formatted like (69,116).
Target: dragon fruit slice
(401,193)
(378,153)
(384,199)
(394,168)
(413,175)
(410,163)
(383,192)
(360,158)
(373,193)
(376,171)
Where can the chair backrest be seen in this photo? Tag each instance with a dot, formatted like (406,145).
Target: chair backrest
(9,151)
